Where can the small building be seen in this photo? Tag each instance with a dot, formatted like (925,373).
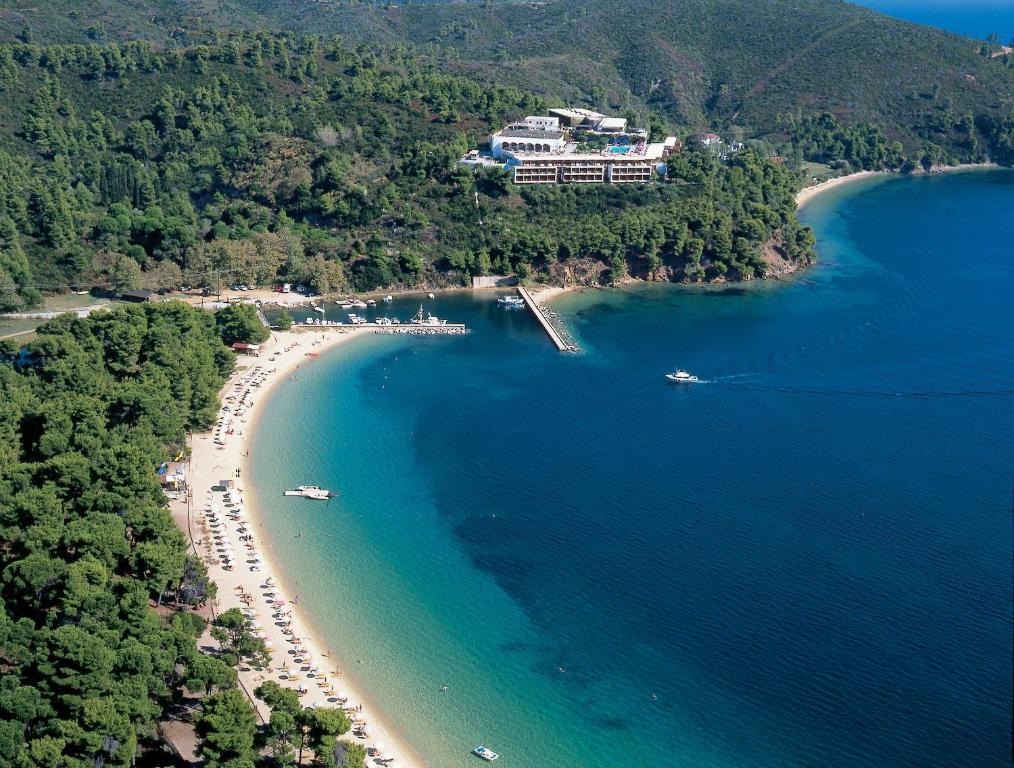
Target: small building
(710,139)
(612,125)
(542,123)
(242,348)
(137,295)
(173,475)
(526,140)
(572,117)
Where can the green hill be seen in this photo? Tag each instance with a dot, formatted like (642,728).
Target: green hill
(274,158)
(744,66)
(716,63)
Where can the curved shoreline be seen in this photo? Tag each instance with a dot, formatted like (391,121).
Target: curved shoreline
(282,354)
(807,194)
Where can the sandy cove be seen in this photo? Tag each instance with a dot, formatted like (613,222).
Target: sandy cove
(807,194)
(256,584)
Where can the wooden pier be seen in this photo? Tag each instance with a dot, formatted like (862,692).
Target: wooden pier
(548,327)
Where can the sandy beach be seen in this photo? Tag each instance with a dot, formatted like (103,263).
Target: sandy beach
(546,294)
(807,194)
(226,527)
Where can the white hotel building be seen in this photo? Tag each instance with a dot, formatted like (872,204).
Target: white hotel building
(540,150)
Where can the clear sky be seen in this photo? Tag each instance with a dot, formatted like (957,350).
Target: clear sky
(975,18)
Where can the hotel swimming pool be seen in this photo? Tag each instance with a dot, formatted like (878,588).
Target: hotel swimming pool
(620,150)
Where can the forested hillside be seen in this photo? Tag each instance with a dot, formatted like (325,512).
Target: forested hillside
(728,64)
(99,590)
(735,65)
(268,157)
(87,411)
(195,154)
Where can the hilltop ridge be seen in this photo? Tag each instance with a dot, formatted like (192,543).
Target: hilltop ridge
(738,65)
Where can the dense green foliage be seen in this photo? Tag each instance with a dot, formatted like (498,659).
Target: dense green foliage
(87,412)
(293,729)
(239,322)
(706,224)
(270,158)
(727,64)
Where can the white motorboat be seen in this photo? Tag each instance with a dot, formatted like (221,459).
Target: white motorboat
(357,304)
(311,492)
(511,301)
(485,753)
(389,298)
(371,302)
(682,377)
(431,295)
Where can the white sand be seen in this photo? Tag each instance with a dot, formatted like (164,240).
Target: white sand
(547,293)
(807,194)
(211,463)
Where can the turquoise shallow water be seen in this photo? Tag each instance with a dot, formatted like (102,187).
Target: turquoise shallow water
(806,560)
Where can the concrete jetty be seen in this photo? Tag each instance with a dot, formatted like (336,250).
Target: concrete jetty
(402,329)
(547,326)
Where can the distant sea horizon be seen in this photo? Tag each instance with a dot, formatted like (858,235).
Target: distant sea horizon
(972,18)
(804,560)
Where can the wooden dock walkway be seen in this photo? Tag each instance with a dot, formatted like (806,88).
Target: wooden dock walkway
(554,335)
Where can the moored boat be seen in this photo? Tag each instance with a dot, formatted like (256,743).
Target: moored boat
(511,301)
(485,753)
(429,319)
(312,492)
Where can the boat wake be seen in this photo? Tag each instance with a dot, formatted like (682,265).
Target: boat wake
(753,386)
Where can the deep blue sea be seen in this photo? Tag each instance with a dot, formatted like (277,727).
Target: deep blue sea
(973,18)
(803,561)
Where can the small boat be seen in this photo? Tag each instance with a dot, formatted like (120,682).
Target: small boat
(389,298)
(511,301)
(432,296)
(371,302)
(682,377)
(430,319)
(485,753)
(312,492)
(318,309)
(357,304)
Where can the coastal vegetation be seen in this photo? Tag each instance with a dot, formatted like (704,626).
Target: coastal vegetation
(269,157)
(98,637)
(165,151)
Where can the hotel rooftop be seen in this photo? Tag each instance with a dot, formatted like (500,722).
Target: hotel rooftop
(577,146)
